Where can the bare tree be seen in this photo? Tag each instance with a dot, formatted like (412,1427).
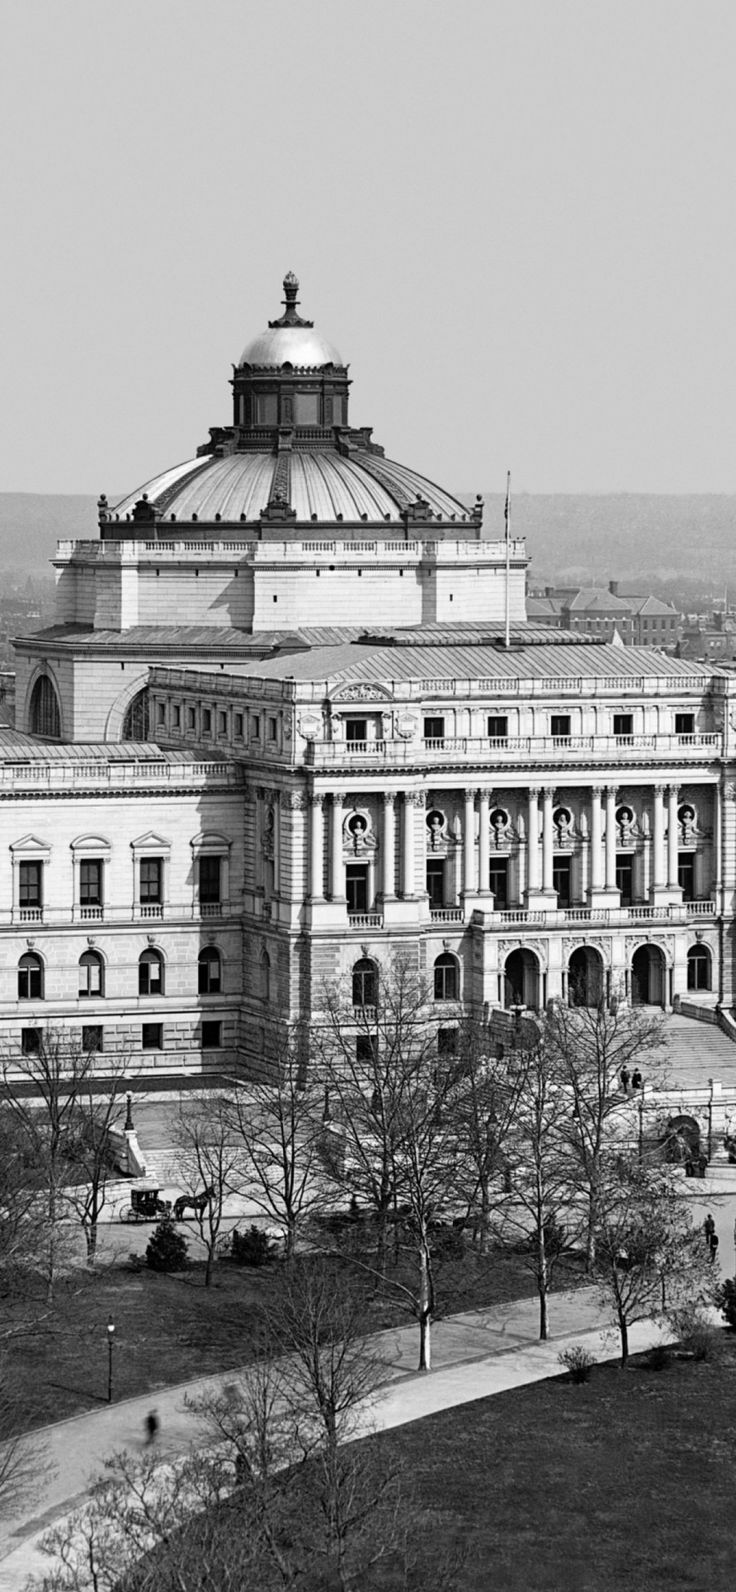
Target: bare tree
(649,1257)
(540,1209)
(210,1156)
(278,1127)
(97,1104)
(397,1082)
(24,1465)
(590,1047)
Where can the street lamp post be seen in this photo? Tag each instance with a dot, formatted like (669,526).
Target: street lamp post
(641,1122)
(110,1341)
(710,1119)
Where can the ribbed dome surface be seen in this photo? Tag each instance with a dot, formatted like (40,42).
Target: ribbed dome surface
(323,484)
(292,345)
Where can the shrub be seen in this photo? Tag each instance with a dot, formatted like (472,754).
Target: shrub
(577,1361)
(167,1249)
(659,1357)
(695,1333)
(252,1248)
(726,1301)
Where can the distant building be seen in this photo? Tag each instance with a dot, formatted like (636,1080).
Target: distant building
(600,614)
(704,639)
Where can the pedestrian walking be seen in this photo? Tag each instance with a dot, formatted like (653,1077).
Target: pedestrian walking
(151,1426)
(625,1076)
(709,1228)
(713,1247)
(635,1080)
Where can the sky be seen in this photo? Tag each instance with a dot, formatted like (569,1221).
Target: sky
(515,218)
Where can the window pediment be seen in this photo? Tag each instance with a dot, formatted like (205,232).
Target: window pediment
(30,846)
(97,844)
(150,842)
(209,841)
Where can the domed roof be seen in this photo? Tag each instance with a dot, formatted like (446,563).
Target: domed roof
(290,340)
(293,345)
(321,485)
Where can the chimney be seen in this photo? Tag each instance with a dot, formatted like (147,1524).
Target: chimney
(613,586)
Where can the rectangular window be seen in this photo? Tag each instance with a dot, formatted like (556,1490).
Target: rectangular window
(255,726)
(210,869)
(152,1036)
(90,884)
(222,723)
(434,729)
(356,730)
(272,729)
(161,712)
(211,1036)
(560,726)
(30,1041)
(561,880)
(684,724)
(625,878)
(436,882)
(151,881)
(498,881)
(356,887)
(686,875)
(206,721)
(498,727)
(29,884)
(623,723)
(191,718)
(447,1040)
(365,1048)
(239,726)
(91,1038)
(176,717)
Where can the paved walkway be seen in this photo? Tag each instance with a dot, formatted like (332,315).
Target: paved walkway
(475,1354)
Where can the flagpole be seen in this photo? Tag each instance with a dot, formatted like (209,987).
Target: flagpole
(507,517)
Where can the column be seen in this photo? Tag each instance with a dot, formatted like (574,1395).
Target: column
(658,839)
(596,837)
(407,848)
(316,847)
(548,840)
(388,841)
(610,837)
(469,844)
(532,844)
(672,836)
(337,872)
(484,803)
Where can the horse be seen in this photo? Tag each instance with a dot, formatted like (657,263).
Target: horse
(194,1202)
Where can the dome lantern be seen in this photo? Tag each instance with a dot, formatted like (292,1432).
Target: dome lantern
(289,379)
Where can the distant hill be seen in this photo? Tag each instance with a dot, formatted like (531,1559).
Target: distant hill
(658,541)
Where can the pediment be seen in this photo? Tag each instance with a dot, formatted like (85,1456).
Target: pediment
(209,840)
(30,844)
(94,843)
(150,842)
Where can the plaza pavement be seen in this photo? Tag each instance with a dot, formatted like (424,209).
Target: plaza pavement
(475,1355)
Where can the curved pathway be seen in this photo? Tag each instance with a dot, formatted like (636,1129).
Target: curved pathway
(475,1354)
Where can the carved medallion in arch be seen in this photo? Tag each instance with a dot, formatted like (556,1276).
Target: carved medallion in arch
(361,691)
(357,832)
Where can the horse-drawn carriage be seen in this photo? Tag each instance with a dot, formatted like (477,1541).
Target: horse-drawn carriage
(146,1204)
(196,1203)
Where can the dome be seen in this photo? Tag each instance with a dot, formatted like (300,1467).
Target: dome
(293,345)
(322,485)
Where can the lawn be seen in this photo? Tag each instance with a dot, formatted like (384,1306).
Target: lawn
(170,1328)
(623,1484)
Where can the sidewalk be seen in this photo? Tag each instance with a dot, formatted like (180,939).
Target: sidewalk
(474,1354)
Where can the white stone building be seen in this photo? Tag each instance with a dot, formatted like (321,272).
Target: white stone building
(276,731)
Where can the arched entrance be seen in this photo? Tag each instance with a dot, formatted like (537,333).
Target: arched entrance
(585,977)
(648,977)
(521,980)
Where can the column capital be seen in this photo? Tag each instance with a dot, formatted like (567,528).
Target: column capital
(548,792)
(316,798)
(612,792)
(484,794)
(389,798)
(659,790)
(415,798)
(596,790)
(339,797)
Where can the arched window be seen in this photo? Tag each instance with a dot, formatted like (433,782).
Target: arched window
(30,978)
(698,967)
(265,977)
(151,973)
(44,715)
(365,982)
(91,975)
(137,718)
(209,971)
(446,978)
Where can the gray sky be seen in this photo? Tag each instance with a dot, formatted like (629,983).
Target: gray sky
(515,218)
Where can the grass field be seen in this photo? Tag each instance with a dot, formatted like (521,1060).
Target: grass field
(169,1329)
(624,1484)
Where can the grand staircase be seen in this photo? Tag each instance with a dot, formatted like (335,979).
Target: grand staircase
(696,1051)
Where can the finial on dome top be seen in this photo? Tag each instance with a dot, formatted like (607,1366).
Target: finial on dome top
(290,316)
